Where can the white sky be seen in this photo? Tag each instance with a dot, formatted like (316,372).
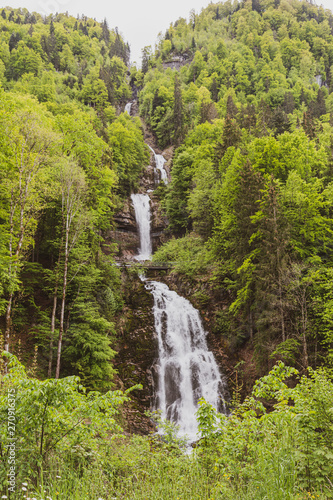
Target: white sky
(139,21)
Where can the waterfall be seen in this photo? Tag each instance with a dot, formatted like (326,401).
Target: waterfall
(141,203)
(160,162)
(319,80)
(128,108)
(187,369)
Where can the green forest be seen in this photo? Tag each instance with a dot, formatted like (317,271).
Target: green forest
(240,99)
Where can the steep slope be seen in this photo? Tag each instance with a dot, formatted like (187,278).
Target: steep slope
(249,105)
(68,159)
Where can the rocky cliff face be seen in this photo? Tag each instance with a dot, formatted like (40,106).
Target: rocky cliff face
(136,351)
(159,223)
(177,62)
(125,234)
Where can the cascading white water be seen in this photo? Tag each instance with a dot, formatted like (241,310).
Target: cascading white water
(141,203)
(187,369)
(160,161)
(128,108)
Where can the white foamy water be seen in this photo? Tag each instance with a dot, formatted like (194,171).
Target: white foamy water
(128,108)
(141,203)
(319,80)
(160,161)
(187,370)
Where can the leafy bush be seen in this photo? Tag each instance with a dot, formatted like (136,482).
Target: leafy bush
(53,420)
(189,254)
(279,454)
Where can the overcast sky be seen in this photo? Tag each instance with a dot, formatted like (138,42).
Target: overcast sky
(139,21)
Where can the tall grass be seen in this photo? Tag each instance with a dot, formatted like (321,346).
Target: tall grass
(137,469)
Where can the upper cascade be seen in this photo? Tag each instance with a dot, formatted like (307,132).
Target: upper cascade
(160,161)
(128,108)
(141,203)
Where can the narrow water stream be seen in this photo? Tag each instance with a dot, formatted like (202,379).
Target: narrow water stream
(128,108)
(160,161)
(141,203)
(187,370)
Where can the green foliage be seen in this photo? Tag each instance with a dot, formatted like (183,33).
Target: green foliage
(66,158)
(167,433)
(283,453)
(52,418)
(129,153)
(188,254)
(91,58)
(270,54)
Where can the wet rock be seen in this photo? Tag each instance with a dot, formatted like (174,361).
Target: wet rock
(177,62)
(125,235)
(136,351)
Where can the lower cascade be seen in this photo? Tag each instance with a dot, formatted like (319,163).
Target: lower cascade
(187,370)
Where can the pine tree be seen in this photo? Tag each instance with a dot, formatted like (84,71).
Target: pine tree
(280,122)
(230,137)
(308,125)
(232,109)
(146,56)
(105,32)
(288,103)
(256,5)
(214,90)
(14,40)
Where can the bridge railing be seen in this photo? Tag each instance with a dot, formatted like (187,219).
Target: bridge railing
(147,264)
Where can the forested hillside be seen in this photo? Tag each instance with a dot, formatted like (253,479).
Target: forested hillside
(68,156)
(239,98)
(249,111)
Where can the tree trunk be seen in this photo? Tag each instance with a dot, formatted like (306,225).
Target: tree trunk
(8,321)
(251,324)
(304,341)
(49,373)
(63,300)
(54,309)
(283,329)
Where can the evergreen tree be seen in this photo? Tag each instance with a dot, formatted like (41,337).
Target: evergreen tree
(105,32)
(279,121)
(308,125)
(232,109)
(14,40)
(214,90)
(288,103)
(230,137)
(146,56)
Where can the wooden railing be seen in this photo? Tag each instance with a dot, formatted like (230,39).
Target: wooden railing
(158,266)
